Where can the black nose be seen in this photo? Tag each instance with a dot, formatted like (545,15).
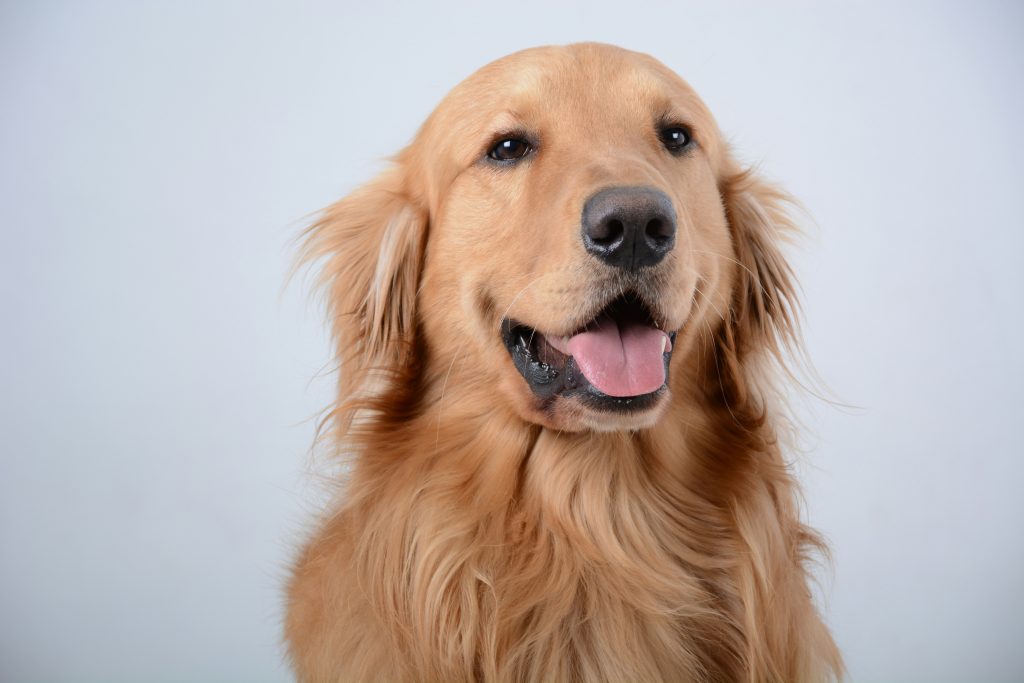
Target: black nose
(629,227)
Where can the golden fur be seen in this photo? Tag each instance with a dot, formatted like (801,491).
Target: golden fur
(484,535)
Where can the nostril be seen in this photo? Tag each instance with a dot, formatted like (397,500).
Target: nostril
(606,233)
(658,230)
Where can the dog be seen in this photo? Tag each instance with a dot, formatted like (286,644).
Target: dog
(560,316)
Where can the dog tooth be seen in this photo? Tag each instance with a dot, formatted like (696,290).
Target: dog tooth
(665,345)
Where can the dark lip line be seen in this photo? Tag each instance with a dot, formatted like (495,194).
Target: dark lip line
(548,383)
(567,381)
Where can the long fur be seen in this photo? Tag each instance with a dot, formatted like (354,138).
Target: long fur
(470,545)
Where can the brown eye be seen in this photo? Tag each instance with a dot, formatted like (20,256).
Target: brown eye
(510,149)
(675,138)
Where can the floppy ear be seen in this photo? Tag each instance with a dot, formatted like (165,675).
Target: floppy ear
(764,305)
(371,246)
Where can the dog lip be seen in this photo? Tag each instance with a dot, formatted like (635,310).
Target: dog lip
(524,345)
(551,372)
(596,399)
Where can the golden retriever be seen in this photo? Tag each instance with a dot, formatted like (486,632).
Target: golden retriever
(558,317)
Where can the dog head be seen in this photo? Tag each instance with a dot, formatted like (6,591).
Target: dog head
(567,232)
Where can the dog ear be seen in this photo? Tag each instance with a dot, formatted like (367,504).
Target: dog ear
(765,306)
(371,246)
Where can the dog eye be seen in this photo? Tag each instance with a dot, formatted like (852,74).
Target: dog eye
(675,138)
(510,149)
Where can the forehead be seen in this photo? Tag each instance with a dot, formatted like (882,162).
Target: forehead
(587,87)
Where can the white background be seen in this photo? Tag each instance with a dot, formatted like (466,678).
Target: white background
(157,382)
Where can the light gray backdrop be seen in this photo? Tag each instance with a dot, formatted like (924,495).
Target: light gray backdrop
(156,385)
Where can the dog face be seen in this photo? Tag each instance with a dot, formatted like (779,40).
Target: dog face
(566,225)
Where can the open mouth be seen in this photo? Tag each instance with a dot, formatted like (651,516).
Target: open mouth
(618,361)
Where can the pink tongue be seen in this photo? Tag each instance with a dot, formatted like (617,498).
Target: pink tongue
(623,361)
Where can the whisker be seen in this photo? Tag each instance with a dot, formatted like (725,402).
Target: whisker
(440,402)
(752,274)
(522,291)
(721,384)
(710,302)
